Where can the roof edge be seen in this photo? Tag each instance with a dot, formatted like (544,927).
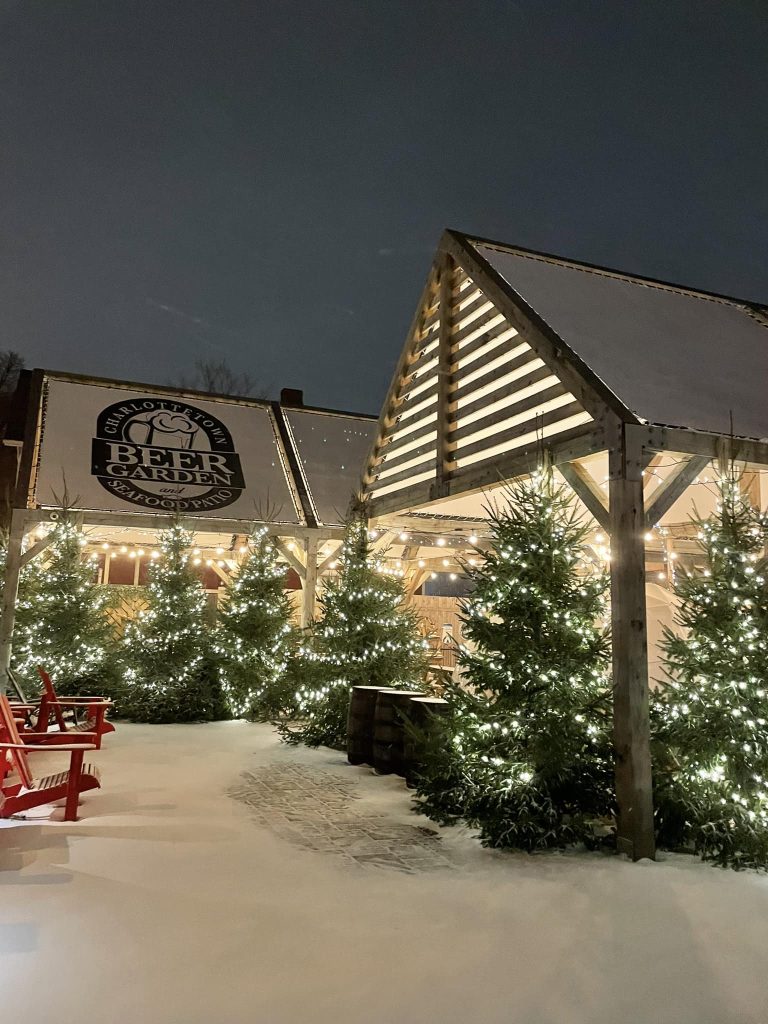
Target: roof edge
(613,271)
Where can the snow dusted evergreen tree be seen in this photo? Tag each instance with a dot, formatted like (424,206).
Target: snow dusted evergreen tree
(366,636)
(169,676)
(711,719)
(60,618)
(525,752)
(254,638)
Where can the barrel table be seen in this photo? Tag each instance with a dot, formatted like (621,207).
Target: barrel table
(422,713)
(362,709)
(392,707)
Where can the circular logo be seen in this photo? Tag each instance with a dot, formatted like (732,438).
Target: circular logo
(165,455)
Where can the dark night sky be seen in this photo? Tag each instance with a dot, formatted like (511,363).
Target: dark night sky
(267,181)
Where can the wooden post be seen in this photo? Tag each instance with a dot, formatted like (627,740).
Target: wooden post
(310,583)
(11,588)
(631,728)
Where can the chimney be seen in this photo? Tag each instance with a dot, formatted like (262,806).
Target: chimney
(292,396)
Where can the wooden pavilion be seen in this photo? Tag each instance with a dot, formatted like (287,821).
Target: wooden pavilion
(634,386)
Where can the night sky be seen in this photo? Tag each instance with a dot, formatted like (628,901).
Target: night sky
(266,181)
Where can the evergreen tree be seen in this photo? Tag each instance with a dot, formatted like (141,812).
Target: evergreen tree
(366,636)
(60,619)
(254,638)
(169,675)
(525,752)
(710,720)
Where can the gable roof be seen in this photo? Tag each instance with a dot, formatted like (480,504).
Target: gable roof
(670,355)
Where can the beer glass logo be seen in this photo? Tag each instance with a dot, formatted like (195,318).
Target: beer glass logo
(166,455)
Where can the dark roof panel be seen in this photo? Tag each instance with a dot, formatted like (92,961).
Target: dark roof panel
(671,356)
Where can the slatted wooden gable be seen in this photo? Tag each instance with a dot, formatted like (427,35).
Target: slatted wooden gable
(469,386)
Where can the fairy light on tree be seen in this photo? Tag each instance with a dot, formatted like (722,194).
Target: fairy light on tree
(169,676)
(60,618)
(366,636)
(254,638)
(524,754)
(710,719)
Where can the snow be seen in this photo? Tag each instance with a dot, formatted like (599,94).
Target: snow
(170,903)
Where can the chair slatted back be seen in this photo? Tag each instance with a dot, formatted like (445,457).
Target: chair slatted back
(19,757)
(50,700)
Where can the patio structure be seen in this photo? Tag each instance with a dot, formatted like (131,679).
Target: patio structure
(125,457)
(632,386)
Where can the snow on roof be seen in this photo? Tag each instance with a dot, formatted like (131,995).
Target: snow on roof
(332,448)
(671,355)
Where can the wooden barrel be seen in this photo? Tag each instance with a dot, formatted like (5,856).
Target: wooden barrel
(362,709)
(421,714)
(388,733)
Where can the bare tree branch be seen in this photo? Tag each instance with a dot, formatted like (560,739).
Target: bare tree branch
(218,378)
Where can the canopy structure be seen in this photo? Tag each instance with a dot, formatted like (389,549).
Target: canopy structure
(126,457)
(632,386)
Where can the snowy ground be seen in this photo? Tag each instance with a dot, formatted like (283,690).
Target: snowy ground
(305,891)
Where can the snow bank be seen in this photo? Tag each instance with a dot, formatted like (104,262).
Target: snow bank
(169,904)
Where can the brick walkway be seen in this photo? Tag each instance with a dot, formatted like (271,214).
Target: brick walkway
(318,811)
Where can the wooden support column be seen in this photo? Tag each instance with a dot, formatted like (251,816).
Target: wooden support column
(309,594)
(11,588)
(631,729)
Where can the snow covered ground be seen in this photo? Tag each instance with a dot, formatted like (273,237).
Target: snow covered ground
(173,902)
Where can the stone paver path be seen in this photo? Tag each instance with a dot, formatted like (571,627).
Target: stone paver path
(321,812)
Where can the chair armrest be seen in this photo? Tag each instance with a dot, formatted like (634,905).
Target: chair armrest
(50,749)
(82,701)
(18,706)
(52,737)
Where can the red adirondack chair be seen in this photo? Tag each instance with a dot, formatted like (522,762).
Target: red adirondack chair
(29,791)
(52,711)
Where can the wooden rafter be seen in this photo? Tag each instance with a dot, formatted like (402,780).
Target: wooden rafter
(35,549)
(672,487)
(582,483)
(295,563)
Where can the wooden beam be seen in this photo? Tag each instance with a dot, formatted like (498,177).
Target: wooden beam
(580,380)
(32,552)
(225,577)
(582,483)
(694,442)
(151,521)
(332,557)
(672,487)
(295,563)
(309,594)
(631,728)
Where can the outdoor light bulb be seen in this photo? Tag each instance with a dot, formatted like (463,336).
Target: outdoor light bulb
(441,542)
(196,561)
(599,538)
(446,562)
(196,551)
(373,534)
(453,576)
(140,552)
(208,561)
(155,554)
(132,554)
(422,563)
(673,555)
(403,536)
(649,536)
(433,575)
(473,538)
(123,549)
(473,561)
(243,549)
(662,576)
(333,565)
(291,546)
(219,551)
